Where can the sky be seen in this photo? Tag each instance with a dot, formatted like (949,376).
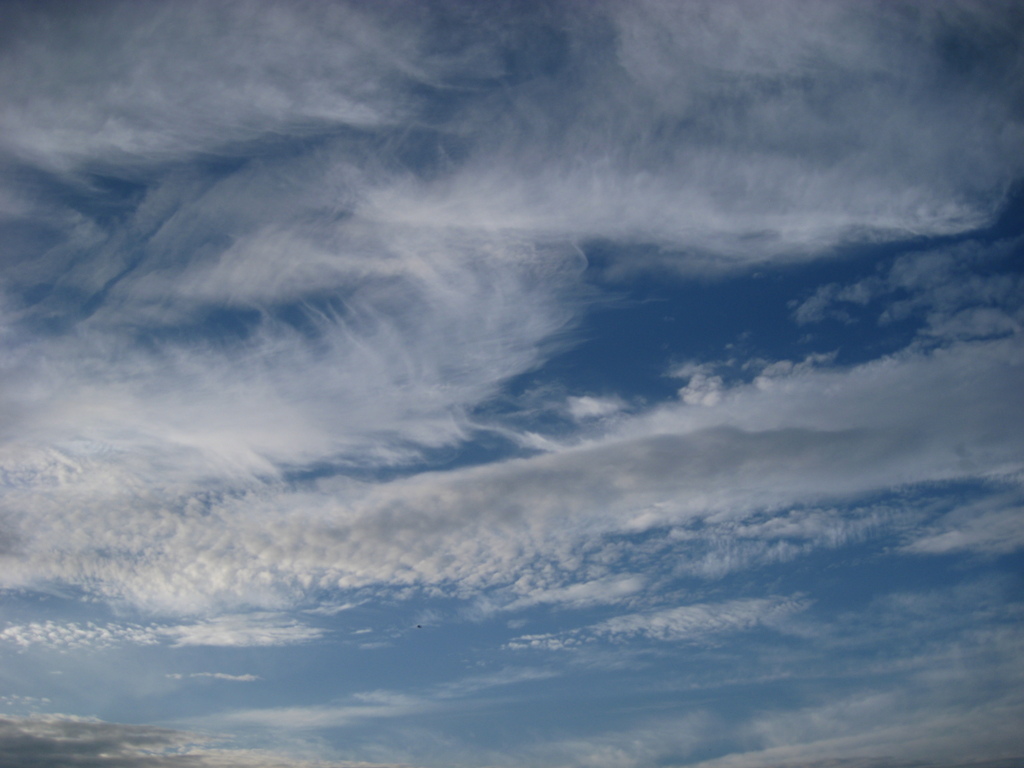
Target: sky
(512,384)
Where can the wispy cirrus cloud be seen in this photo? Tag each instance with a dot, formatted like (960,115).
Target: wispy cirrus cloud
(609,589)
(158,85)
(800,437)
(991,527)
(743,151)
(699,623)
(371,705)
(356,310)
(284,297)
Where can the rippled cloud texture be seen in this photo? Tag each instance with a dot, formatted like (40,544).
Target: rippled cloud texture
(511,383)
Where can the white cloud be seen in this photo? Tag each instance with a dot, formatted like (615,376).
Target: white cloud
(252,629)
(150,84)
(332,610)
(588,407)
(144,456)
(216,676)
(394,333)
(765,147)
(393,371)
(250,247)
(992,526)
(702,389)
(806,436)
(699,623)
(721,135)
(72,635)
(243,630)
(372,705)
(958,291)
(609,589)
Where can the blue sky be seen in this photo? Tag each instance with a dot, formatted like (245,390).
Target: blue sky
(607,384)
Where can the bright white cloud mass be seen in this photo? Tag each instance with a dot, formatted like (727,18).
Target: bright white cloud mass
(552,384)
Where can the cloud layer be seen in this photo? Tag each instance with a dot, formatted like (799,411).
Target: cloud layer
(677,346)
(49,740)
(812,437)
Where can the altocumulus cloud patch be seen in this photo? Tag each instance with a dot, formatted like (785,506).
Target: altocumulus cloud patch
(446,384)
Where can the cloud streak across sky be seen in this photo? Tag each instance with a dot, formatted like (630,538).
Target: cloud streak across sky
(438,368)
